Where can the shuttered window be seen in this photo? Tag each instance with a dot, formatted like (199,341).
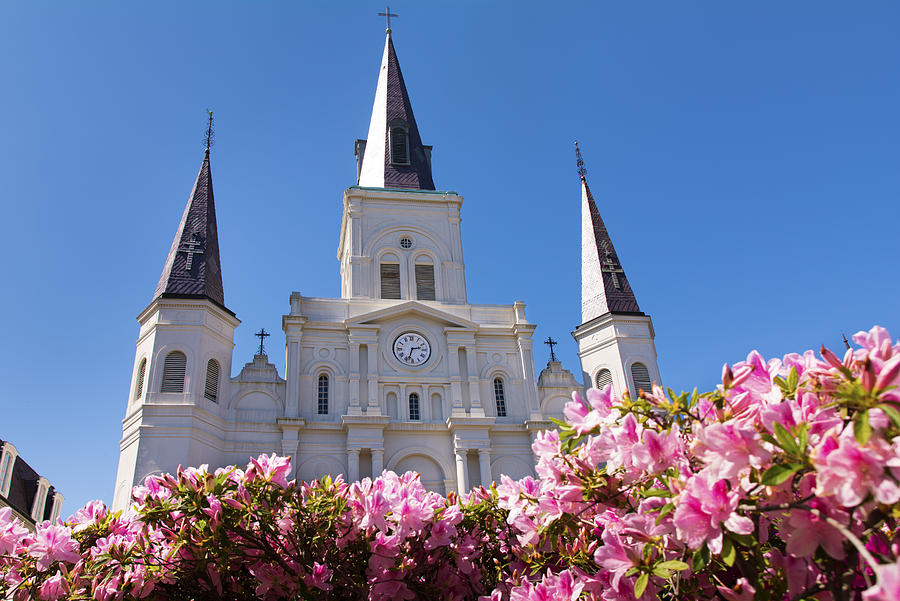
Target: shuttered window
(425,282)
(390,280)
(139,384)
(414,414)
(323,395)
(173,372)
(604,378)
(641,378)
(499,397)
(212,380)
(399,146)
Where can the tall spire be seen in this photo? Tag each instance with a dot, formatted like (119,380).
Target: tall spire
(394,156)
(192,268)
(604,287)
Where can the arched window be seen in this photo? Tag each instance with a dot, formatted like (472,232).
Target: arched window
(212,380)
(173,372)
(499,397)
(139,384)
(414,414)
(640,377)
(399,145)
(322,395)
(604,378)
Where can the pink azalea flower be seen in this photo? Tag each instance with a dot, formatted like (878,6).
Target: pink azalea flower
(11,532)
(270,467)
(53,543)
(54,588)
(580,416)
(730,447)
(804,531)
(703,508)
(741,591)
(848,472)
(319,577)
(888,586)
(616,557)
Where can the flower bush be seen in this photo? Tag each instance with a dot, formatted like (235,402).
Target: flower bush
(780,484)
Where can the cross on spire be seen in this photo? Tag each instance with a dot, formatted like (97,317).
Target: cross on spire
(612,267)
(582,172)
(192,247)
(551,343)
(262,335)
(210,136)
(387,15)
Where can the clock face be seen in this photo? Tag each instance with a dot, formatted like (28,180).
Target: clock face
(411,348)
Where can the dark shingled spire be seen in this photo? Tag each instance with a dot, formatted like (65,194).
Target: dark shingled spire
(600,263)
(192,268)
(392,107)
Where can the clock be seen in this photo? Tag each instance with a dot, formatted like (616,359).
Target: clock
(411,348)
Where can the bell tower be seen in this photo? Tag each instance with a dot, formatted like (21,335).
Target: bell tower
(615,338)
(182,362)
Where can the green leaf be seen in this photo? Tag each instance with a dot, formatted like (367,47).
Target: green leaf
(862,431)
(778,473)
(700,559)
(666,510)
(641,585)
(728,554)
(803,434)
(786,439)
(657,492)
(661,573)
(891,412)
(793,379)
(559,422)
(673,564)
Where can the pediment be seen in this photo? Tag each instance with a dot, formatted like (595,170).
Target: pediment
(411,308)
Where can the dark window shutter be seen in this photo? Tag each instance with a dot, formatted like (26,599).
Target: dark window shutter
(604,378)
(212,380)
(139,385)
(641,378)
(173,372)
(399,146)
(390,280)
(425,282)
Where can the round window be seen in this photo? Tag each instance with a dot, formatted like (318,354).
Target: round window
(405,242)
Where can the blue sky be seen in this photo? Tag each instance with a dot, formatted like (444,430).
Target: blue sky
(743,155)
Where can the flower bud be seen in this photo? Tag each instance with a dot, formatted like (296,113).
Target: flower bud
(727,376)
(831,358)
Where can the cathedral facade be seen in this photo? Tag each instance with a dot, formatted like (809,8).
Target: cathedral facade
(401,372)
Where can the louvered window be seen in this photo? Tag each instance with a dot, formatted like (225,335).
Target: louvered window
(425,282)
(604,378)
(414,414)
(323,395)
(212,380)
(173,372)
(499,397)
(640,377)
(399,146)
(390,280)
(139,384)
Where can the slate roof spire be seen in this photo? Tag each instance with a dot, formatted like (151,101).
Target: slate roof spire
(393,154)
(192,269)
(604,286)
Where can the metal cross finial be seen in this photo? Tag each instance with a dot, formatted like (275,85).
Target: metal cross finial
(262,335)
(387,15)
(210,134)
(582,172)
(551,343)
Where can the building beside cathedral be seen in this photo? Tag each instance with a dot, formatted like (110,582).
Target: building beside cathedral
(401,372)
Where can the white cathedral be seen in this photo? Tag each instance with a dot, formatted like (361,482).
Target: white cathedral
(401,372)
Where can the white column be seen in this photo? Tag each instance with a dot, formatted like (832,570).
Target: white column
(474,391)
(462,478)
(456,402)
(292,374)
(352,465)
(532,401)
(374,408)
(377,462)
(355,408)
(403,404)
(484,465)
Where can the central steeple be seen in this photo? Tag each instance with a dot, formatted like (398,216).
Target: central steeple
(393,155)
